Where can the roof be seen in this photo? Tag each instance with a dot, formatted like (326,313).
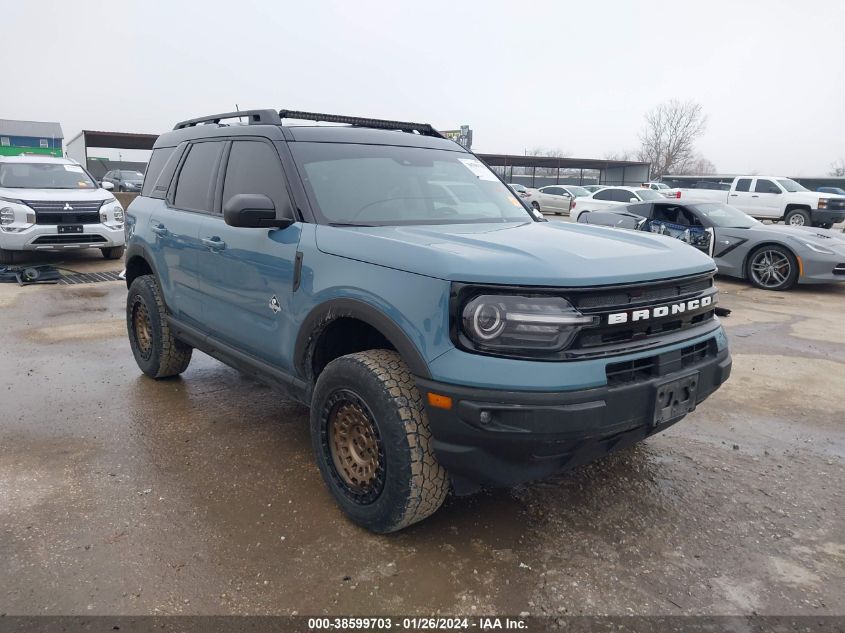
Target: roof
(516,160)
(116,140)
(41,129)
(37,158)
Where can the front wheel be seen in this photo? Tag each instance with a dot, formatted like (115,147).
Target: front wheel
(797,217)
(372,442)
(158,353)
(772,267)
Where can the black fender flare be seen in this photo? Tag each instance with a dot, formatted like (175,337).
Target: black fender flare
(334,309)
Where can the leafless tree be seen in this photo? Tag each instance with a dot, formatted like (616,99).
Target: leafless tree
(837,168)
(698,166)
(623,155)
(668,137)
(541,151)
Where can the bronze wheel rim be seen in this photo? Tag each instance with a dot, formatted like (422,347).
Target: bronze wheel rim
(355,447)
(143,328)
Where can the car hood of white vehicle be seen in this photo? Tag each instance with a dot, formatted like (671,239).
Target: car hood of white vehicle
(47,195)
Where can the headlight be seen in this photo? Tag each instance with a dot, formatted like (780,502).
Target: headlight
(822,203)
(118,213)
(7,216)
(504,323)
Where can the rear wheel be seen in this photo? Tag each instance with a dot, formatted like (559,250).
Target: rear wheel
(7,257)
(115,252)
(772,267)
(797,217)
(371,439)
(158,353)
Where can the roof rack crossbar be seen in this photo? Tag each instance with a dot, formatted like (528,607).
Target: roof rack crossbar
(254,117)
(422,128)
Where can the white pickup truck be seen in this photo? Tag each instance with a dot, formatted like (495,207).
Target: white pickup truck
(776,198)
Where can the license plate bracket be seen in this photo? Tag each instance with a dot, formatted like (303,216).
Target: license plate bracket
(675,398)
(70,228)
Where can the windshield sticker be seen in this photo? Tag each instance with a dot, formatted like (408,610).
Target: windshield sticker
(74,168)
(478,168)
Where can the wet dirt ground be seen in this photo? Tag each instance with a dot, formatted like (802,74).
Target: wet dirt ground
(199,495)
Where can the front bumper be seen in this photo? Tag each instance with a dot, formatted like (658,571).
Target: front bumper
(827,216)
(492,438)
(46,237)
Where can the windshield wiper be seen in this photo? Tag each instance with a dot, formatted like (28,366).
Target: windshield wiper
(348,224)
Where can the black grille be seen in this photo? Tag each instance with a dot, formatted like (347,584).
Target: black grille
(839,270)
(642,369)
(622,298)
(69,238)
(65,212)
(835,204)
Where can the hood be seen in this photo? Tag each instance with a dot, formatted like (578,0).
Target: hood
(822,237)
(64,195)
(529,253)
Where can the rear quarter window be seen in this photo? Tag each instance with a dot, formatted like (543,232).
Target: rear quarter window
(157,162)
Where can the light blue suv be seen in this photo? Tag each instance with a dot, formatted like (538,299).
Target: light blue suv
(445,336)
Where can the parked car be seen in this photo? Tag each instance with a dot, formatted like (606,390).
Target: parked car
(129,180)
(440,344)
(529,196)
(663,189)
(777,198)
(53,204)
(770,256)
(839,191)
(558,199)
(613,196)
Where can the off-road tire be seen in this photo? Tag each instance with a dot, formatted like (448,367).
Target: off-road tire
(163,356)
(114,252)
(413,485)
(803,214)
(7,257)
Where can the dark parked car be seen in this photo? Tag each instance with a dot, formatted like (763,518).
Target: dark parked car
(129,180)
(837,190)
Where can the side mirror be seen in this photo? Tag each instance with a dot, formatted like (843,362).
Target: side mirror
(255,210)
(107,185)
(634,200)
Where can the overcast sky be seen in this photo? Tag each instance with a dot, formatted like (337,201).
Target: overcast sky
(575,76)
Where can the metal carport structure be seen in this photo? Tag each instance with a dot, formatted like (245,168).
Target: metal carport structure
(77,147)
(610,172)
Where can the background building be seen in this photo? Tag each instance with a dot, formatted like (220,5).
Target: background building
(32,137)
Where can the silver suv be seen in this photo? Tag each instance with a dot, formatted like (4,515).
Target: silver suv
(53,204)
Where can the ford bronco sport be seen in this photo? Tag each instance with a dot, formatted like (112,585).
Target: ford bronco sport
(444,335)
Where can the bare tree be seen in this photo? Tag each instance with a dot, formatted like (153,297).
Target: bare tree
(541,151)
(698,166)
(668,137)
(837,168)
(623,155)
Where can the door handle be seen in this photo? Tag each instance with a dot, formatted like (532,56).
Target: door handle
(734,195)
(159,229)
(214,243)
(755,196)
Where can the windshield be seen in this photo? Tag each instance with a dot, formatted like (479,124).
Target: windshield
(790,185)
(648,194)
(132,175)
(519,188)
(380,185)
(44,176)
(725,216)
(578,192)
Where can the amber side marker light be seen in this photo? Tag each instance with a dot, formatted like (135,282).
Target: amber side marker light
(800,266)
(441,402)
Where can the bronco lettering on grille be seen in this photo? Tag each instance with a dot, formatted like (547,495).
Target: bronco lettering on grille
(671,309)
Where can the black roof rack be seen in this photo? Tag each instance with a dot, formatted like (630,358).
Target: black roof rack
(383,124)
(254,117)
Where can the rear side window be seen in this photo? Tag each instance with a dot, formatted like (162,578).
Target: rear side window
(157,162)
(254,167)
(194,187)
(604,194)
(765,186)
(743,184)
(620,195)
